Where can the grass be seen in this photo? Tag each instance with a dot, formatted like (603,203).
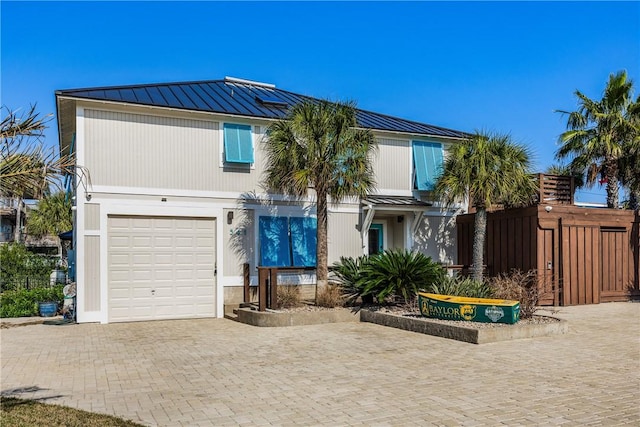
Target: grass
(16,412)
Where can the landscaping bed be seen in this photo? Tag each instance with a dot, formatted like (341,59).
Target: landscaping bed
(297,317)
(471,332)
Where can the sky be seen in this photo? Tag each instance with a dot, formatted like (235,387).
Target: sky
(495,66)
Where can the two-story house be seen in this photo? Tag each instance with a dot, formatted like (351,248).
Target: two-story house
(169,203)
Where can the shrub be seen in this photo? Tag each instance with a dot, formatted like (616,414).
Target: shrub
(462,286)
(519,286)
(21,268)
(399,273)
(347,274)
(289,296)
(330,296)
(24,302)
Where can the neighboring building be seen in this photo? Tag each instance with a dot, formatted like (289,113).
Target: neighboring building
(174,205)
(17,210)
(12,211)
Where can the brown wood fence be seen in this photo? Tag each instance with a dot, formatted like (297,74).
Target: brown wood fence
(583,256)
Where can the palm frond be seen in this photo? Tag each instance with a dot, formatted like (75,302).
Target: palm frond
(596,135)
(27,168)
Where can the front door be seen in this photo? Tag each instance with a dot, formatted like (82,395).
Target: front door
(376,239)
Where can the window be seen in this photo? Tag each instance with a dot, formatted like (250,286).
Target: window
(427,164)
(238,144)
(286,242)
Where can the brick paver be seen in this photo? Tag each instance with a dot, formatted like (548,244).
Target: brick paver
(218,372)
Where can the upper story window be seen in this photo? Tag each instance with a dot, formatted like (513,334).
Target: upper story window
(238,143)
(427,164)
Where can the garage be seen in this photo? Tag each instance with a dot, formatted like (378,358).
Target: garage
(161,268)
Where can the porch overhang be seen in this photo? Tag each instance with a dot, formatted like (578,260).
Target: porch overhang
(371,204)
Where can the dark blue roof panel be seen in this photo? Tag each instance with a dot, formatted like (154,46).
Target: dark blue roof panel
(242,98)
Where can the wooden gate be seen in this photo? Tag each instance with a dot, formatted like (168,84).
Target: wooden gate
(580,264)
(615,264)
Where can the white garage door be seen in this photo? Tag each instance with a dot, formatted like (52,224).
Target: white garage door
(161,268)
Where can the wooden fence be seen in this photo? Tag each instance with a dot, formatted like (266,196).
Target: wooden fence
(583,256)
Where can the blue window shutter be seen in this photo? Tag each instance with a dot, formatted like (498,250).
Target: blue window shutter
(238,147)
(303,241)
(274,241)
(427,163)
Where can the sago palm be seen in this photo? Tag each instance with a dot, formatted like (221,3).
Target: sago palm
(318,146)
(490,169)
(596,134)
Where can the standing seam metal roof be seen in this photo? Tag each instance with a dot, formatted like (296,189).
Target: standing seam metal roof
(239,98)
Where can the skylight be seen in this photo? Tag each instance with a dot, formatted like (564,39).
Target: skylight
(271,100)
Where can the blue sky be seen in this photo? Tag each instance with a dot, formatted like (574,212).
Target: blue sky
(498,66)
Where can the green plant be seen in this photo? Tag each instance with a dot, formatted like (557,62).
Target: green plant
(399,273)
(347,274)
(518,286)
(24,302)
(330,296)
(461,286)
(19,267)
(320,145)
(289,296)
(493,170)
(53,215)
(601,133)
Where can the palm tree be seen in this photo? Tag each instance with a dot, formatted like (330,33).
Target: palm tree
(53,216)
(318,146)
(629,164)
(491,169)
(596,134)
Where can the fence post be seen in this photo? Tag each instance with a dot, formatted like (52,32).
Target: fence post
(247,279)
(263,276)
(273,288)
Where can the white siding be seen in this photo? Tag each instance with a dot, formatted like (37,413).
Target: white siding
(344,238)
(143,151)
(392,165)
(437,238)
(92,273)
(92,217)
(238,241)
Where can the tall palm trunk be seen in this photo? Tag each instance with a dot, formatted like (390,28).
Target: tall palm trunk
(322,270)
(611,175)
(479,233)
(634,200)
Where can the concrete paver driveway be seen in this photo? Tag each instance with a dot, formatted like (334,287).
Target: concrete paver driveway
(218,372)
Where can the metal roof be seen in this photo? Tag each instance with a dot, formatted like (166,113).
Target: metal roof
(395,201)
(242,98)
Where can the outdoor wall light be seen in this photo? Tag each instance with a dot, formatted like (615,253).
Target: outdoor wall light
(230,217)
(548,208)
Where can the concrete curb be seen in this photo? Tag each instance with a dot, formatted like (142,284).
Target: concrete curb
(279,319)
(466,334)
